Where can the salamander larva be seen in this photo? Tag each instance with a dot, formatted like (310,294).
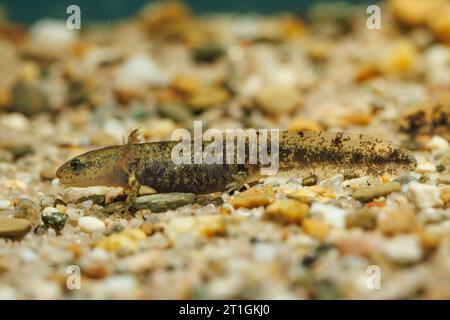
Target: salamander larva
(300,154)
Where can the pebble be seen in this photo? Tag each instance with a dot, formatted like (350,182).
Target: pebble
(208,97)
(406,179)
(332,215)
(207,226)
(52,34)
(401,58)
(355,183)
(176,112)
(367,194)
(313,194)
(161,202)
(5,204)
(404,249)
(27,209)
(208,53)
(186,83)
(54,219)
(14,227)
(124,242)
(439,23)
(309,181)
(48,201)
(301,124)
(91,224)
(398,220)
(363,218)
(438,146)
(138,71)
(315,228)
(253,198)
(276,99)
(424,195)
(287,210)
(415,12)
(425,167)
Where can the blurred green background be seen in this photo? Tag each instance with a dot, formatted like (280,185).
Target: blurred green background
(27,11)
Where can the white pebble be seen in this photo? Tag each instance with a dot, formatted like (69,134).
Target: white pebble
(49,210)
(87,204)
(5,204)
(332,215)
(438,146)
(357,182)
(404,249)
(425,167)
(74,213)
(91,224)
(424,195)
(140,70)
(53,33)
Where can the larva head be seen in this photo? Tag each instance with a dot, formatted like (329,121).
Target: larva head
(94,168)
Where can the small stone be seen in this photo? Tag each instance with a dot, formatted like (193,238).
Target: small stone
(277,99)
(28,98)
(5,204)
(52,34)
(332,215)
(253,198)
(287,210)
(357,119)
(313,194)
(400,220)
(20,150)
(208,97)
(301,124)
(404,249)
(425,167)
(48,201)
(91,224)
(208,53)
(415,12)
(309,181)
(438,146)
(14,227)
(315,228)
(151,228)
(176,112)
(439,23)
(27,209)
(123,243)
(423,195)
(186,83)
(369,193)
(400,59)
(161,202)
(48,173)
(114,229)
(138,71)
(54,219)
(145,191)
(364,219)
(207,226)
(406,179)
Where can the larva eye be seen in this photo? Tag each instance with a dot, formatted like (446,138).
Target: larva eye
(76,164)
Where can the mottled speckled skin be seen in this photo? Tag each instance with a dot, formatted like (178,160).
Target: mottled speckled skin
(300,154)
